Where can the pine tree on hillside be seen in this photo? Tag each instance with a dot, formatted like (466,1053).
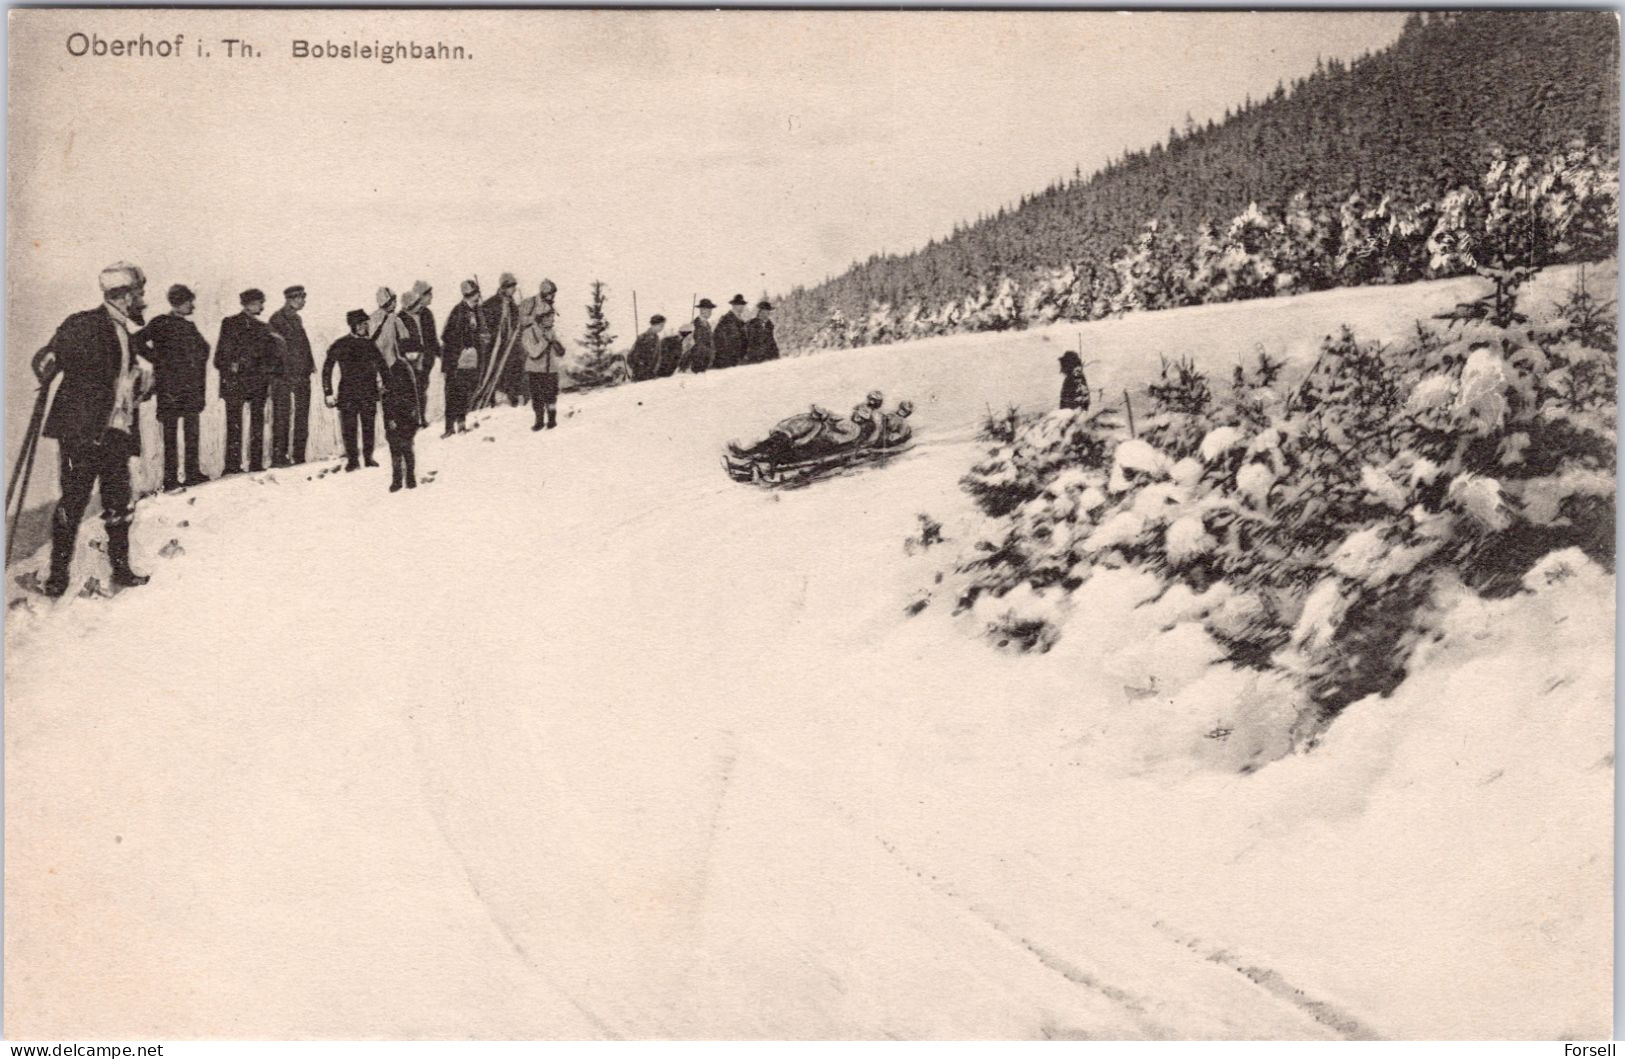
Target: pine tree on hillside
(598,366)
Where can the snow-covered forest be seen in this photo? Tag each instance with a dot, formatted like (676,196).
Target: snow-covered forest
(1552,208)
(1352,158)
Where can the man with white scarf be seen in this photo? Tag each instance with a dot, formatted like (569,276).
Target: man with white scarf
(385,326)
(94,421)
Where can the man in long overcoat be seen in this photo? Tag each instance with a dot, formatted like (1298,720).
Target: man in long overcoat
(730,335)
(465,345)
(247,355)
(760,345)
(704,348)
(290,393)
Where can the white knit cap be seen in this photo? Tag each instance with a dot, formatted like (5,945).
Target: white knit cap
(385,296)
(119,275)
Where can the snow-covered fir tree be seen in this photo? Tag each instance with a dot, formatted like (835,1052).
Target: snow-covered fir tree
(598,366)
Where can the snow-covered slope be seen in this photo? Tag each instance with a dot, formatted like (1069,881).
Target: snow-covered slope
(583,739)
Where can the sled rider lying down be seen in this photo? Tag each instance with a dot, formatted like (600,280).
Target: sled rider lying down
(819,433)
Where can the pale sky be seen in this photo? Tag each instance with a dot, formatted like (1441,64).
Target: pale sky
(673,153)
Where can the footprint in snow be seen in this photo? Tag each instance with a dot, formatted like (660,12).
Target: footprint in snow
(172,549)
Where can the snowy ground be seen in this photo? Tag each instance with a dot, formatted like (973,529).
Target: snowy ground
(582,739)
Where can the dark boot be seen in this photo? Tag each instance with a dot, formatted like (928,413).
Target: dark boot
(552,416)
(397,464)
(118,553)
(62,541)
(411,459)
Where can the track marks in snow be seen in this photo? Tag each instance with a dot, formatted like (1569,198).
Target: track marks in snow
(1054,962)
(1271,982)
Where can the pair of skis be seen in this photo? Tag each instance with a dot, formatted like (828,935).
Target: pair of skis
(485,393)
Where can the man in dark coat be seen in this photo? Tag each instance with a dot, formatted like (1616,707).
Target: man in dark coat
(464,346)
(421,333)
(644,360)
(1074,387)
(704,349)
(290,392)
(361,367)
(247,355)
(730,335)
(180,360)
(403,416)
(672,348)
(95,423)
(760,345)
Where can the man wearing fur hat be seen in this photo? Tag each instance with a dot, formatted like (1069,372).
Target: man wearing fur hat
(94,421)
(421,334)
(247,355)
(180,360)
(361,367)
(505,373)
(290,392)
(465,345)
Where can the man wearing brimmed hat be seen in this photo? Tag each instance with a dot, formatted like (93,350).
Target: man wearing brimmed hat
(504,374)
(247,355)
(361,368)
(465,345)
(290,392)
(180,360)
(644,359)
(94,421)
(730,335)
(760,345)
(421,334)
(702,347)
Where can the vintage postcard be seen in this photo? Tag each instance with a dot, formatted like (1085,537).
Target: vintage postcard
(797,524)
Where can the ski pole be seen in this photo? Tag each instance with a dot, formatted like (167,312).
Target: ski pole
(29,437)
(25,462)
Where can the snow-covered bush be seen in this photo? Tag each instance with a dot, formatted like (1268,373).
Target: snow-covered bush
(1331,511)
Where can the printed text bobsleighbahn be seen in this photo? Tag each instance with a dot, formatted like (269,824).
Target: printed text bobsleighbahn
(379,51)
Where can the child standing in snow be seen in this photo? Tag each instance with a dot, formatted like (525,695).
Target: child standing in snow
(403,417)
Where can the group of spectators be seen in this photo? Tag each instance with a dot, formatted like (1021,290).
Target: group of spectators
(703,347)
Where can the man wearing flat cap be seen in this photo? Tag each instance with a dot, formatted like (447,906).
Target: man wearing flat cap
(290,392)
(247,355)
(94,421)
(465,345)
(644,360)
(760,345)
(730,335)
(702,348)
(180,361)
